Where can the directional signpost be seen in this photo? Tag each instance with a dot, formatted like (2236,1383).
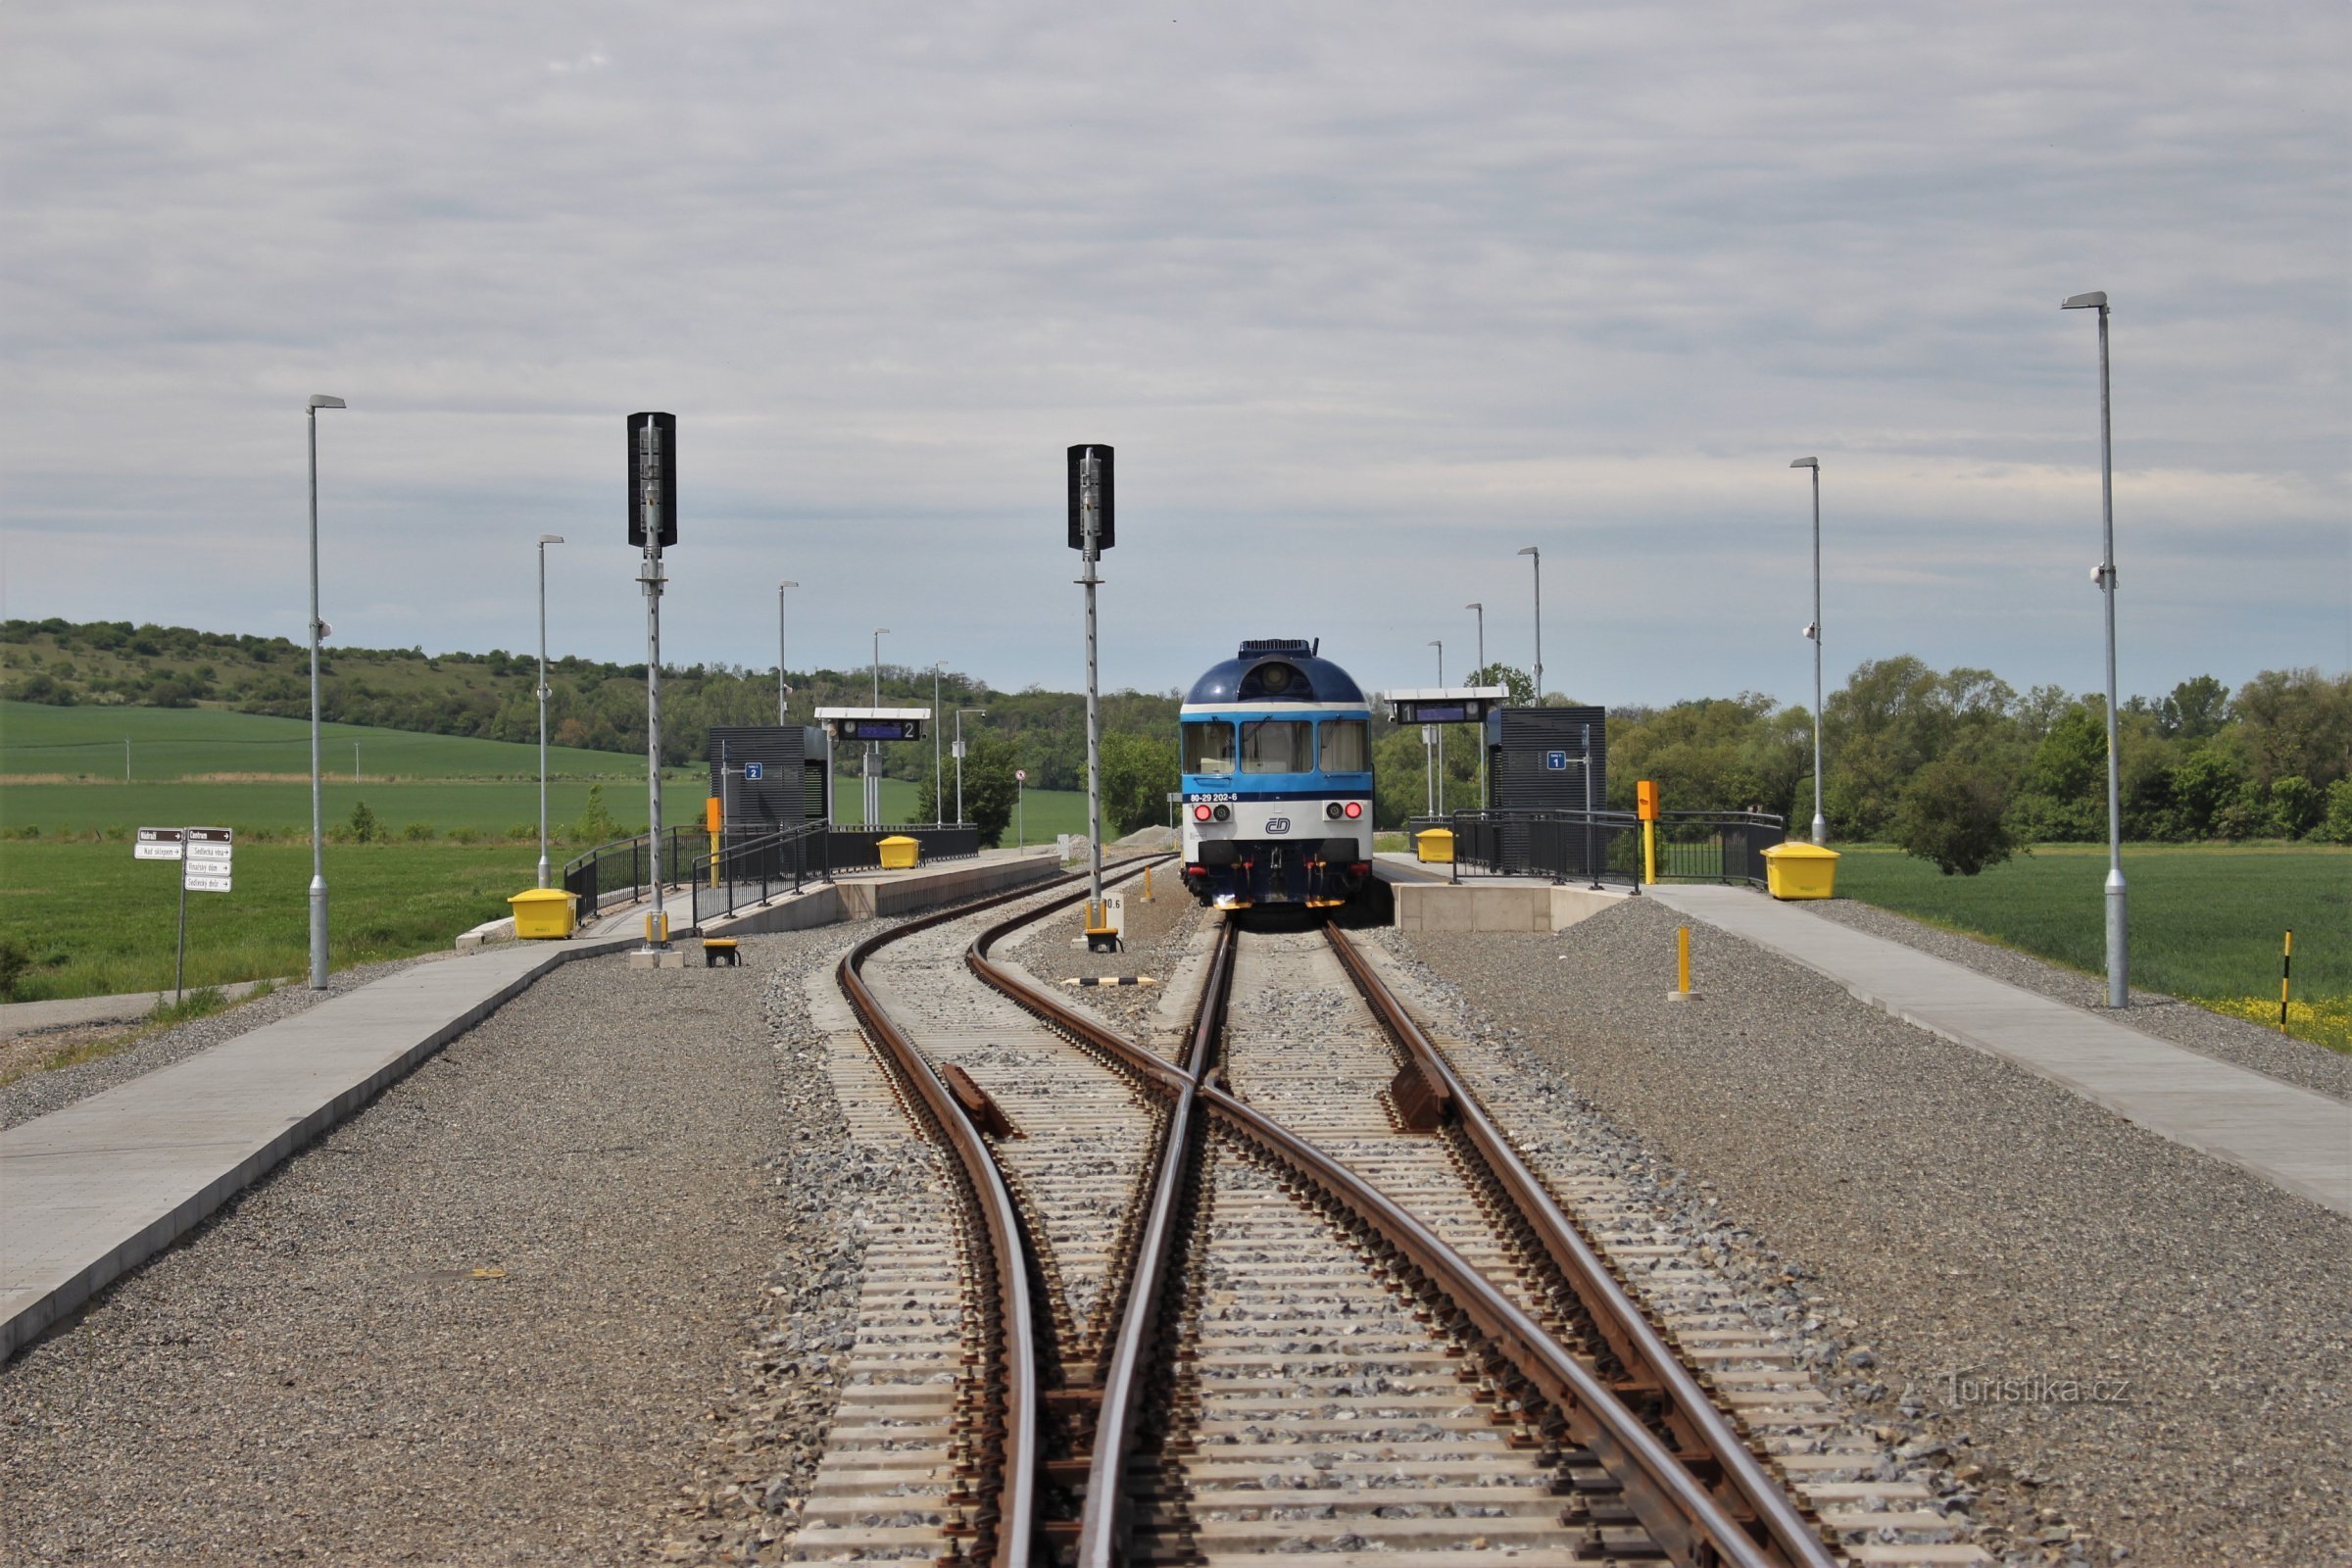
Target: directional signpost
(205,855)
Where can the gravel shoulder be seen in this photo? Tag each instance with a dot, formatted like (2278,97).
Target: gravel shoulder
(499,1317)
(2120,1346)
(2225,1039)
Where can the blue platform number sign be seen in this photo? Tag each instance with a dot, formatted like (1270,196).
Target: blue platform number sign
(755,772)
(1556,761)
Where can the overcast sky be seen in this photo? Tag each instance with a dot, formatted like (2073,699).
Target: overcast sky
(1366,296)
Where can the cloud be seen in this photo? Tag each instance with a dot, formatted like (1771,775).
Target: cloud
(1365,296)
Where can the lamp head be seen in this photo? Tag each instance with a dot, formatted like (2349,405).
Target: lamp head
(320,400)
(787,583)
(1531,550)
(1807,462)
(1474,604)
(2086,301)
(551,538)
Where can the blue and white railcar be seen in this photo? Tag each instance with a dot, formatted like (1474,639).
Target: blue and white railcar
(1277,780)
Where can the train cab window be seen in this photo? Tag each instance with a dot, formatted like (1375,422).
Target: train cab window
(1208,748)
(1347,746)
(1278,746)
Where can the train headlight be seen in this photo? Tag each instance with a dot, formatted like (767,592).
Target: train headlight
(1201,813)
(1332,810)
(1224,814)
(1356,809)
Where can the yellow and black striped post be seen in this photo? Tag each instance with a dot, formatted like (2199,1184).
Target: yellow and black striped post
(2286,968)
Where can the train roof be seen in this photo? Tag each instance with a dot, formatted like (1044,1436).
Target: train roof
(1276,669)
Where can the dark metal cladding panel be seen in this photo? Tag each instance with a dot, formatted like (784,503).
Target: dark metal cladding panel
(1077,527)
(779,796)
(1522,741)
(667,425)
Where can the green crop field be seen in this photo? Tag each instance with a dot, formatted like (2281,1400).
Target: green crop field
(178,742)
(2206,920)
(101,923)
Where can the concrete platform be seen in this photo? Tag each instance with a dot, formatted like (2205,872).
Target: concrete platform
(1427,899)
(2291,1136)
(93,1190)
(853,896)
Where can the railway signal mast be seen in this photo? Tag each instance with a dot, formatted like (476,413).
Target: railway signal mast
(652,523)
(1091,531)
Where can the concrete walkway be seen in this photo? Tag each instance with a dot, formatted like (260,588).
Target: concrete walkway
(95,1189)
(2291,1136)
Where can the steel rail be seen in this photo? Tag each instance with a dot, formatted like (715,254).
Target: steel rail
(1021,1398)
(1705,1437)
(1102,1538)
(1670,1501)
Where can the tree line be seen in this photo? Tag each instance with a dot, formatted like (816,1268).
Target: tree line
(1910,753)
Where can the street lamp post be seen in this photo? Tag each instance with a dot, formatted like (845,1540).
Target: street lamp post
(1435,733)
(959,713)
(783,691)
(874,748)
(2118,989)
(1531,550)
(1482,728)
(1821,825)
(545,540)
(939,803)
(318,802)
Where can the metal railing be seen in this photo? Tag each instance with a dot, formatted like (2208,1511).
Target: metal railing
(1596,847)
(750,872)
(1600,848)
(1717,846)
(858,849)
(754,869)
(619,873)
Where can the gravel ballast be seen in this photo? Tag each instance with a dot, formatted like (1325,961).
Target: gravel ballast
(2120,1348)
(502,1316)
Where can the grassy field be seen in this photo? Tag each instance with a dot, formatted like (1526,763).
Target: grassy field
(2206,920)
(104,923)
(181,742)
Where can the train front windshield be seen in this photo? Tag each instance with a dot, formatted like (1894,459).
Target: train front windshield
(1347,746)
(1278,746)
(1208,748)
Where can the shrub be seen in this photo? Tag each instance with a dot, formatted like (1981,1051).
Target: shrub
(418,832)
(2336,826)
(17,961)
(464,834)
(1952,813)
(596,824)
(2296,802)
(364,827)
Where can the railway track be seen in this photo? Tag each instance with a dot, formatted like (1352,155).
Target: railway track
(1294,1292)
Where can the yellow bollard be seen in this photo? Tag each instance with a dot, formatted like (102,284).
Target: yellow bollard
(1681,966)
(2287,967)
(1649,854)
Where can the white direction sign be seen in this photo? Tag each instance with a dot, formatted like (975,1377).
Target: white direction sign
(209,852)
(157,844)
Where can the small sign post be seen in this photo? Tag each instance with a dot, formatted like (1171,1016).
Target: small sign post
(206,856)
